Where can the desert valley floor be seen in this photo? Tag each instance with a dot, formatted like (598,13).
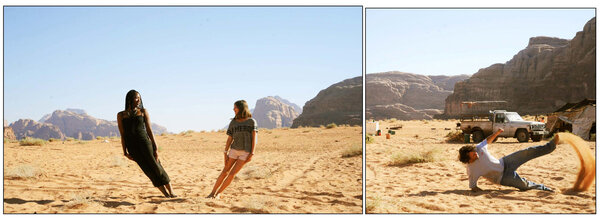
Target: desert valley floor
(294,171)
(442,186)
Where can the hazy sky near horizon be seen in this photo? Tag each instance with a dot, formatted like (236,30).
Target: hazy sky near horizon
(190,64)
(459,41)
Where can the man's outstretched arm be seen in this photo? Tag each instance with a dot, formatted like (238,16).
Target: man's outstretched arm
(491,138)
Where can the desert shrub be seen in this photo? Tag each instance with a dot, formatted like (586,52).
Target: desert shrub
(79,201)
(593,137)
(70,139)
(188,132)
(369,139)
(99,138)
(254,172)
(306,131)
(321,126)
(393,120)
(53,139)
(404,158)
(331,125)
(455,137)
(256,206)
(373,204)
(82,142)
(425,122)
(355,150)
(23,172)
(117,161)
(32,141)
(285,128)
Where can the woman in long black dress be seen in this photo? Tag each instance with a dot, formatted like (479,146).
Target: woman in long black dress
(138,142)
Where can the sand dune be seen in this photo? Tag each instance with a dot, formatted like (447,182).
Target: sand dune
(442,186)
(293,171)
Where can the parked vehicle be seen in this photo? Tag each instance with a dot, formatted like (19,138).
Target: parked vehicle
(482,125)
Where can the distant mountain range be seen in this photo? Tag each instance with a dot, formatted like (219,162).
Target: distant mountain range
(407,96)
(75,123)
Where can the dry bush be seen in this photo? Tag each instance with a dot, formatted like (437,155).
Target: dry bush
(53,139)
(70,139)
(455,137)
(254,172)
(404,158)
(306,131)
(369,139)
(80,200)
(257,206)
(355,150)
(117,161)
(32,141)
(285,128)
(373,204)
(23,172)
(331,125)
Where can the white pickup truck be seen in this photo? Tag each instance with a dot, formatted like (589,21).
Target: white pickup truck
(481,126)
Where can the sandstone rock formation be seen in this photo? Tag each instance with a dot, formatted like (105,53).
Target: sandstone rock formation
(296,108)
(9,134)
(340,103)
(79,125)
(270,112)
(407,96)
(82,126)
(75,123)
(545,75)
(29,128)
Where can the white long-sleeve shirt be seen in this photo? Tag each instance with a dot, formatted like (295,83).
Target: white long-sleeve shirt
(486,166)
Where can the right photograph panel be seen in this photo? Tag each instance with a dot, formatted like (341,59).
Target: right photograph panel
(480,110)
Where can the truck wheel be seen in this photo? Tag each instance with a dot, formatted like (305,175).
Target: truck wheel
(536,138)
(522,135)
(477,136)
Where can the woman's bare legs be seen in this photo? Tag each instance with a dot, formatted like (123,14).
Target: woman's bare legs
(222,176)
(236,168)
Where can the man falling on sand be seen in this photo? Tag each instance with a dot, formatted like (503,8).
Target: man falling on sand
(480,163)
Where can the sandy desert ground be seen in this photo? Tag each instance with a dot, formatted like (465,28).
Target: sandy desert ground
(293,171)
(442,186)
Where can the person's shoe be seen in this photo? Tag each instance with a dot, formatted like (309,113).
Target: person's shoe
(547,189)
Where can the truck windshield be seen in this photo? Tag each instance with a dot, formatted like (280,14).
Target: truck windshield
(512,116)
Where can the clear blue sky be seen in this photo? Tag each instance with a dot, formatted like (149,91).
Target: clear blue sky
(190,64)
(453,41)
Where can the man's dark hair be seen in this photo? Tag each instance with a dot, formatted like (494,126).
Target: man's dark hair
(463,153)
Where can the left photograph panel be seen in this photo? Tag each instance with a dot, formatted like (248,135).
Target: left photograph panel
(160,109)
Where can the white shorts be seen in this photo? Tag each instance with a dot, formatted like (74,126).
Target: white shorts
(238,154)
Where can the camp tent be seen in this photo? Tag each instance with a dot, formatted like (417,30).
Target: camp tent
(577,118)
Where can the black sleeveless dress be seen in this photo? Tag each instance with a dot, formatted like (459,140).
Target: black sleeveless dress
(139,146)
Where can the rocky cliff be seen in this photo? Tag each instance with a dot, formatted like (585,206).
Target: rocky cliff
(407,96)
(545,75)
(271,112)
(29,128)
(340,103)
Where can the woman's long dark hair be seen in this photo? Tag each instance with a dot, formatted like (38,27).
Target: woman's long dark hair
(243,111)
(129,101)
